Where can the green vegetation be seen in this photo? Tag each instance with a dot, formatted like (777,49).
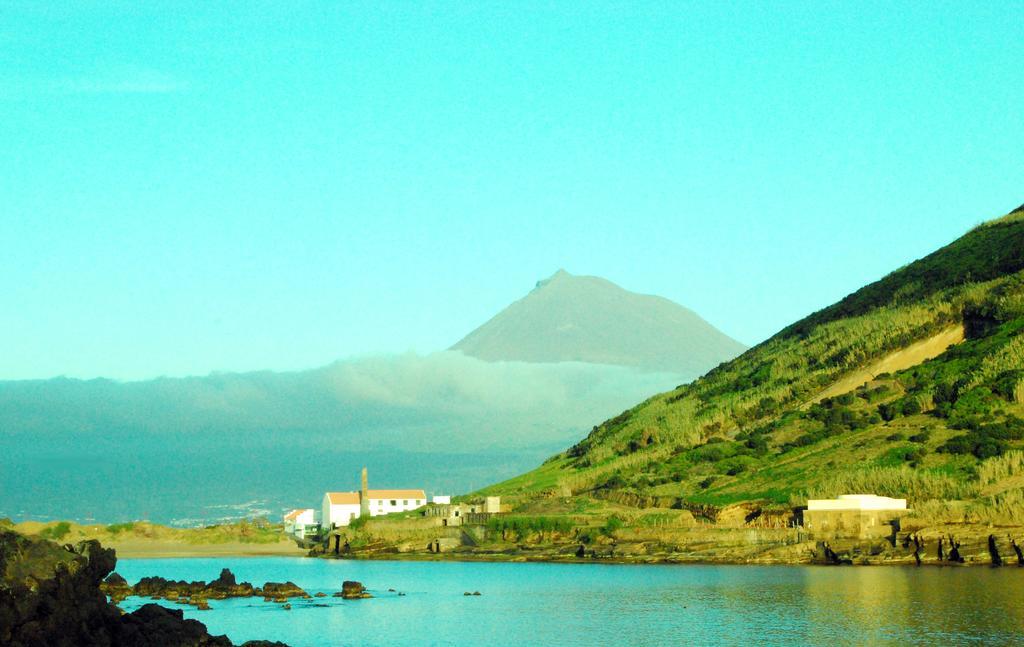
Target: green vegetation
(521,526)
(56,532)
(772,425)
(988,252)
(614,523)
(246,531)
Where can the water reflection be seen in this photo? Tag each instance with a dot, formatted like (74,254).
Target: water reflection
(612,605)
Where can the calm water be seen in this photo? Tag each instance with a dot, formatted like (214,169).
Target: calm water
(587,604)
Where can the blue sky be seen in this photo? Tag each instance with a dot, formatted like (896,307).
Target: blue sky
(188,188)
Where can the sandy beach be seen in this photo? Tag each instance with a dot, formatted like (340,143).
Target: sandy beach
(141,548)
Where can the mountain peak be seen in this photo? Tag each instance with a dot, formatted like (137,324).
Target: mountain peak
(569,318)
(560,274)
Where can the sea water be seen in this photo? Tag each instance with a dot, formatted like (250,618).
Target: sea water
(604,604)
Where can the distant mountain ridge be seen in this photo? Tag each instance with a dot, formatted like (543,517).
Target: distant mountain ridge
(569,318)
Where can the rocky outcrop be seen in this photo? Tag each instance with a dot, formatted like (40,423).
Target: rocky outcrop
(635,499)
(153,624)
(226,586)
(50,595)
(352,591)
(195,593)
(116,587)
(279,590)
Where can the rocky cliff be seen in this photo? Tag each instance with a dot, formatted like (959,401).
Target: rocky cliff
(50,595)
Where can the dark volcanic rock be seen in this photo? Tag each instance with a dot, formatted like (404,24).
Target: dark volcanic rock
(116,587)
(226,579)
(50,595)
(153,624)
(352,591)
(158,587)
(285,590)
(226,586)
(221,588)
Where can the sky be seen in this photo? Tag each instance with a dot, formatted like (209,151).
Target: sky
(197,187)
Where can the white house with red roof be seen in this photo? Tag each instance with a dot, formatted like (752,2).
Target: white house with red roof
(340,508)
(299,521)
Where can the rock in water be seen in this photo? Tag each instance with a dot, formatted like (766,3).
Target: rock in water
(116,587)
(225,580)
(226,586)
(353,590)
(285,590)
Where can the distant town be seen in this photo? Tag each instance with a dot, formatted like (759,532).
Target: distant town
(340,509)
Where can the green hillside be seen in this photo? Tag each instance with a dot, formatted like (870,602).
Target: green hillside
(865,395)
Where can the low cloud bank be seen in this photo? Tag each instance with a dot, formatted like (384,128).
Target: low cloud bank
(227,438)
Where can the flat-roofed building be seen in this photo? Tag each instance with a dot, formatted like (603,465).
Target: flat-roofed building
(388,501)
(854,515)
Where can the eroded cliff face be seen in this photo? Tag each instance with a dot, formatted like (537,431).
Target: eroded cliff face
(50,595)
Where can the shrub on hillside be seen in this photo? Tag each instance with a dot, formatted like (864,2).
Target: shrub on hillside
(614,523)
(1006,384)
(986,441)
(910,407)
(921,437)
(971,406)
(614,481)
(845,399)
(56,532)
(712,453)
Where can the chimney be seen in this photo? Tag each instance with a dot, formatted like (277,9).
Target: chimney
(364,499)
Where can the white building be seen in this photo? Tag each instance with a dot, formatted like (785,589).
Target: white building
(300,521)
(342,508)
(388,501)
(339,508)
(861,516)
(441,499)
(860,502)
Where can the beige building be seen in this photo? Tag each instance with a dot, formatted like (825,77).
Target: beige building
(861,516)
(458,514)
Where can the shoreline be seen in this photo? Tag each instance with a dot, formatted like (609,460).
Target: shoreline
(652,562)
(468,558)
(174,550)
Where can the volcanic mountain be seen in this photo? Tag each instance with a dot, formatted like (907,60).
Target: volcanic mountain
(569,318)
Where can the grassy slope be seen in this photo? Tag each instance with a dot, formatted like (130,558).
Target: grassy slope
(945,429)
